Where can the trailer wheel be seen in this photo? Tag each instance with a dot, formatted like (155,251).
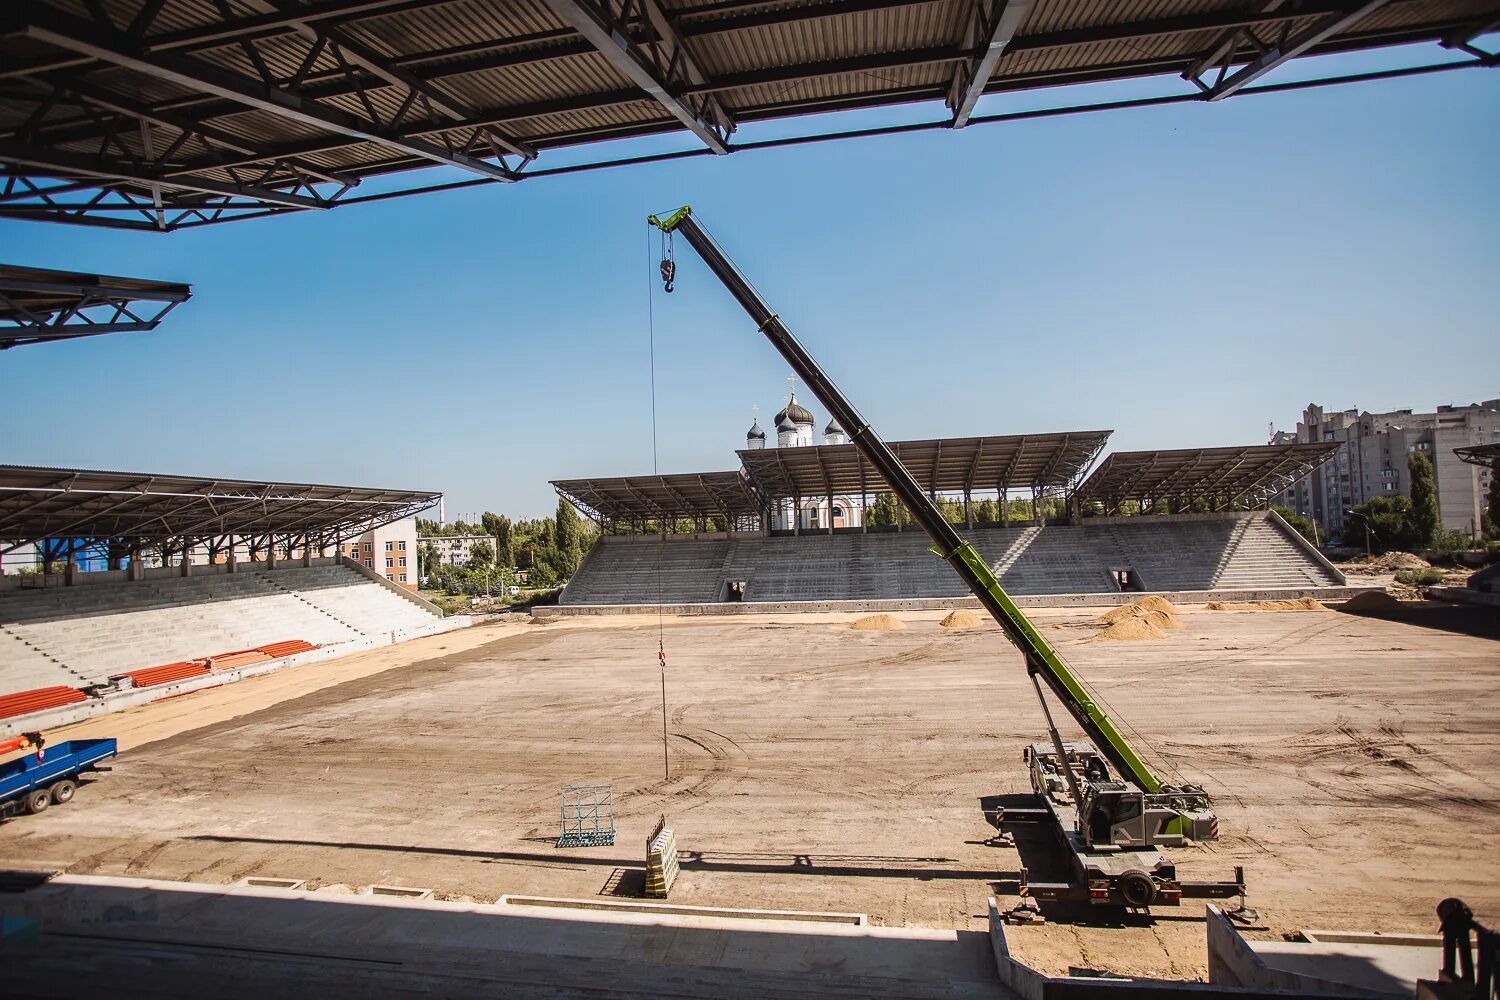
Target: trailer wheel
(1136,888)
(62,792)
(38,800)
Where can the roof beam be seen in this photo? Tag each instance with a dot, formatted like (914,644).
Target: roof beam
(112,47)
(969,81)
(371,61)
(74,164)
(1291,49)
(638,65)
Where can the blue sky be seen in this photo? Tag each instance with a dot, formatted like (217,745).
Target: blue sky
(1182,275)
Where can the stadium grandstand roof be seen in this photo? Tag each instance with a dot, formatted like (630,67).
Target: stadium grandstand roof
(1221,477)
(943,465)
(1480,454)
(681,495)
(38,305)
(161,114)
(44,505)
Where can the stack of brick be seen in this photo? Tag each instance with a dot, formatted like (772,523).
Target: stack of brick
(661,861)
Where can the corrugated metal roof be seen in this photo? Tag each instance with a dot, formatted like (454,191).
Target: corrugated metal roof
(374,86)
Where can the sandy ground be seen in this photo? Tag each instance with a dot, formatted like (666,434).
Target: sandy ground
(1355,763)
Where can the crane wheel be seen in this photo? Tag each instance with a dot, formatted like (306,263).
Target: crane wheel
(38,800)
(1136,888)
(62,792)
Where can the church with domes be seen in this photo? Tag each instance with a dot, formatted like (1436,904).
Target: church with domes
(794,429)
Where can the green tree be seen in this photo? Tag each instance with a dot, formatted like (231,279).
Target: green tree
(567,527)
(498,527)
(1424,505)
(428,560)
(481,555)
(884,511)
(1020,510)
(1390,524)
(1299,524)
(986,512)
(1492,505)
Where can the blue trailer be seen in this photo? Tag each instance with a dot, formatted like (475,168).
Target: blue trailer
(50,777)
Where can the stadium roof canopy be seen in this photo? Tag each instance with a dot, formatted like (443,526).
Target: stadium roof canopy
(1043,462)
(1221,477)
(692,495)
(159,114)
(142,509)
(1480,454)
(38,305)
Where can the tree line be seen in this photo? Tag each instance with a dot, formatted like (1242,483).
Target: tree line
(547,549)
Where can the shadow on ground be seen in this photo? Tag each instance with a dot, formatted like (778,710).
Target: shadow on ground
(1459,619)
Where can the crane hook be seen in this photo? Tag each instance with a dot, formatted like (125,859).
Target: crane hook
(668,272)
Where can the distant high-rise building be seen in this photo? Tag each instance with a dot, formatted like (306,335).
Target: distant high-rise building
(1374,449)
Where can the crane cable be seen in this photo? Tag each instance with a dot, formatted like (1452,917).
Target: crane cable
(661,628)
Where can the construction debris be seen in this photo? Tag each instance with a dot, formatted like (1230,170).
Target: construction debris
(878,623)
(1392,561)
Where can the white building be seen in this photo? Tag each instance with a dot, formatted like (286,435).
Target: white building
(794,429)
(455,550)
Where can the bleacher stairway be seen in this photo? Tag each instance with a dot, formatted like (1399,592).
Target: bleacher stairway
(1189,553)
(82,634)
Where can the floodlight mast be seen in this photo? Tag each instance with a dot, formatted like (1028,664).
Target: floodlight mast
(1041,659)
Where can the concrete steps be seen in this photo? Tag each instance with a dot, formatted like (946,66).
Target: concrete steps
(1168,554)
(83,634)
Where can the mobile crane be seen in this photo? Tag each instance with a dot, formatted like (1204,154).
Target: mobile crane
(1108,808)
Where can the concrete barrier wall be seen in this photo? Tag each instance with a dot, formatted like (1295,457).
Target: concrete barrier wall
(1334,594)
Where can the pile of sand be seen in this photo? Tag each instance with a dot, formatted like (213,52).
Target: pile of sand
(1371,600)
(1130,628)
(1158,611)
(1300,604)
(1393,561)
(960,619)
(878,623)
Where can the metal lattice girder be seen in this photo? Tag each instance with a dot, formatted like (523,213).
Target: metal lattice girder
(1291,48)
(947,465)
(1486,455)
(661,69)
(1223,476)
(164,114)
(266,94)
(662,497)
(144,509)
(39,305)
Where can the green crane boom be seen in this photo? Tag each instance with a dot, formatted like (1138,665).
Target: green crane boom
(1041,659)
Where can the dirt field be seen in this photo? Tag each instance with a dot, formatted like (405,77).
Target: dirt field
(1355,764)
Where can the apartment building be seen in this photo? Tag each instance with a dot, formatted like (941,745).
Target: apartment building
(1374,449)
(390,550)
(454,550)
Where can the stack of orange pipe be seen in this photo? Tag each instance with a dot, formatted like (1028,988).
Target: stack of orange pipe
(164,674)
(38,699)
